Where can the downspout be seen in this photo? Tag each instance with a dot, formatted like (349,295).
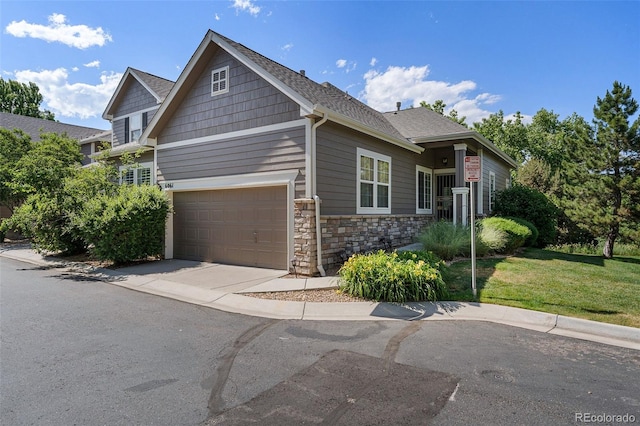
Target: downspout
(316,199)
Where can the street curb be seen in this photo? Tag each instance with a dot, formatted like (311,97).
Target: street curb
(610,334)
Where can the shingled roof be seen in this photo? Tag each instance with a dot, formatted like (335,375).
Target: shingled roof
(35,126)
(325,94)
(160,86)
(423,123)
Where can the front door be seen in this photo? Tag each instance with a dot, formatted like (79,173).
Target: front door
(444,196)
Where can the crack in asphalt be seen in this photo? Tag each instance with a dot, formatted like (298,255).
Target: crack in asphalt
(216,403)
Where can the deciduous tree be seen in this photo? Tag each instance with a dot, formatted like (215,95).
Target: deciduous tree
(22,99)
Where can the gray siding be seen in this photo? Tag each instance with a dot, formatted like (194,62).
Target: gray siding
(266,152)
(250,102)
(135,99)
(492,163)
(337,170)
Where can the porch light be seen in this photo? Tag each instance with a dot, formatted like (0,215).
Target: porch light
(445,160)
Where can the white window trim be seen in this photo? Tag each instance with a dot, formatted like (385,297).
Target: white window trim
(428,171)
(492,182)
(135,167)
(360,152)
(226,80)
(131,129)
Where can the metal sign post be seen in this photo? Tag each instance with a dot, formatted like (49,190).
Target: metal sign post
(472,173)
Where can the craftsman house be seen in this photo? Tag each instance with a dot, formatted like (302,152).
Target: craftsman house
(267,168)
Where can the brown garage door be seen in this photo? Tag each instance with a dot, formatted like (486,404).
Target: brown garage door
(235,226)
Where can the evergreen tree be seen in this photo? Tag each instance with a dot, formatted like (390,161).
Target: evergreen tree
(604,178)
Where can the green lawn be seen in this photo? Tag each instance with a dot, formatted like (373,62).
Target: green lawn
(577,285)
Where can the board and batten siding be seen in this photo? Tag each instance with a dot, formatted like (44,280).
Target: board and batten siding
(337,170)
(264,152)
(250,102)
(135,99)
(491,163)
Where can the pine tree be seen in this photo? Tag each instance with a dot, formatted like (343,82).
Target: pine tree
(605,174)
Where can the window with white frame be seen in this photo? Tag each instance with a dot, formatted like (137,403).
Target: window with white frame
(492,190)
(134,125)
(219,81)
(424,188)
(136,174)
(374,182)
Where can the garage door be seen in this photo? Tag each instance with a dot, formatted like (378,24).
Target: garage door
(234,226)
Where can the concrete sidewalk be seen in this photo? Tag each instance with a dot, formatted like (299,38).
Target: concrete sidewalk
(222,287)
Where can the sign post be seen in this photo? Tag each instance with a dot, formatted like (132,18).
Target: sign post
(472,173)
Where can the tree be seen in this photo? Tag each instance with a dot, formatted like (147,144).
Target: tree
(509,135)
(439,106)
(605,176)
(43,168)
(13,146)
(22,99)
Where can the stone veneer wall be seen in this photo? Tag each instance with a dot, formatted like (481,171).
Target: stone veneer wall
(343,236)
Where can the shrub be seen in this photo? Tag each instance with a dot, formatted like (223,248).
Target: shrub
(393,277)
(128,226)
(516,233)
(494,238)
(533,238)
(531,205)
(47,221)
(447,240)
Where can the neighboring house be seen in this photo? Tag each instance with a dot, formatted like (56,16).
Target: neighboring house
(268,168)
(90,139)
(133,104)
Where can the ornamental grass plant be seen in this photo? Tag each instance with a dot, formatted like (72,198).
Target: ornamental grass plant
(393,277)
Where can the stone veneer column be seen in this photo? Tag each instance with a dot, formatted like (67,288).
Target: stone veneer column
(304,237)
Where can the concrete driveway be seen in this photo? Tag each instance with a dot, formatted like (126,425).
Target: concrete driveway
(209,276)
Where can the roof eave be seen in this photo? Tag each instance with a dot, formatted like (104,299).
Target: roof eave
(339,118)
(469,135)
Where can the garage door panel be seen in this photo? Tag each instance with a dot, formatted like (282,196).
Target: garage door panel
(240,226)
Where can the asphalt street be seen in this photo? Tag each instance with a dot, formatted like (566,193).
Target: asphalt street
(75,350)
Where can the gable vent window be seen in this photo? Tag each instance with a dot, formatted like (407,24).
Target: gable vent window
(220,81)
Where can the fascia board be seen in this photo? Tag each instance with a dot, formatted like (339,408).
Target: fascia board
(149,89)
(470,135)
(353,124)
(305,105)
(184,75)
(115,95)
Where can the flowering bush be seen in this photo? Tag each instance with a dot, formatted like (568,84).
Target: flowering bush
(393,277)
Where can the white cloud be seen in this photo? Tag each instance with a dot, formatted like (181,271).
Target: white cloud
(246,6)
(93,64)
(410,86)
(373,62)
(287,47)
(216,17)
(72,99)
(79,36)
(341,63)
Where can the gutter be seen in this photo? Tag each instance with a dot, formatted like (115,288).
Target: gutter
(316,198)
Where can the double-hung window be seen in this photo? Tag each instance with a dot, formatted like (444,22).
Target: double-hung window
(374,182)
(133,127)
(137,174)
(424,188)
(219,81)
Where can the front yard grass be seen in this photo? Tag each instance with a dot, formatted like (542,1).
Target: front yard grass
(576,285)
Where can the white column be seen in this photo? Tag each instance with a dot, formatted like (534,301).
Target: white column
(464,193)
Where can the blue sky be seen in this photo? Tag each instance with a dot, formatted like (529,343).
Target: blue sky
(479,57)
